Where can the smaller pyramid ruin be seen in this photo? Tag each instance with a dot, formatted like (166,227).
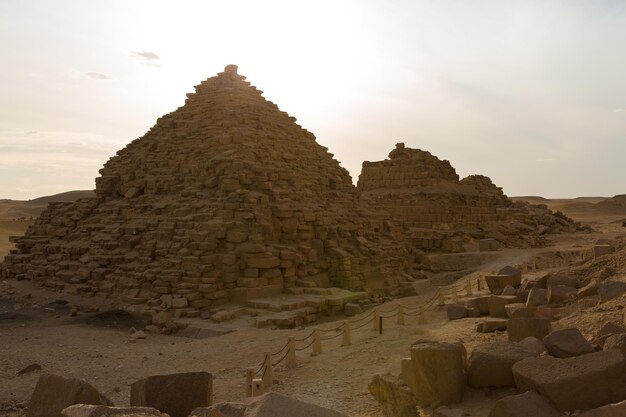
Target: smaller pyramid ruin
(440,212)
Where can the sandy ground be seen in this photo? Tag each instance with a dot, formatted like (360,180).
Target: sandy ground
(337,378)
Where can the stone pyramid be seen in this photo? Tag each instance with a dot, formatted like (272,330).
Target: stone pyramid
(224,199)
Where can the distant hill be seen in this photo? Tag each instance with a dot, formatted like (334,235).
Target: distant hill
(18,209)
(582,206)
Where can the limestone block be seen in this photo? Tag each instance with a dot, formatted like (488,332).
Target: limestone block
(482,303)
(524,405)
(577,383)
(518,310)
(492,325)
(438,368)
(497,304)
(565,343)
(396,398)
(456,311)
(560,293)
(523,327)
(601,250)
(84,410)
(611,289)
(537,297)
(497,283)
(609,410)
(490,363)
(54,393)
(175,394)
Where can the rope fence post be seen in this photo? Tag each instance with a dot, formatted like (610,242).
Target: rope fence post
(317,342)
(401,315)
(291,353)
(268,373)
(468,288)
(375,322)
(257,387)
(455,295)
(345,340)
(440,300)
(249,378)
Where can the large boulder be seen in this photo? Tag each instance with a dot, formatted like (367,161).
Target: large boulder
(481,303)
(456,312)
(395,397)
(174,394)
(497,303)
(537,297)
(611,289)
(490,363)
(528,404)
(565,343)
(534,345)
(438,368)
(83,410)
(271,404)
(54,393)
(518,310)
(511,272)
(578,383)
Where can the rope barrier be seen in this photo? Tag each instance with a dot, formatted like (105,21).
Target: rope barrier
(302,340)
(306,347)
(362,318)
(260,368)
(330,330)
(279,352)
(281,359)
(389,311)
(332,337)
(361,326)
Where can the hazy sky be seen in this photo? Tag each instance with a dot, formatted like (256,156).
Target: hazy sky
(530,93)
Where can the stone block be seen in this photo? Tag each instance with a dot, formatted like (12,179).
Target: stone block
(175,394)
(497,303)
(537,297)
(601,250)
(561,293)
(395,398)
(456,311)
(440,378)
(609,290)
(492,325)
(523,327)
(609,410)
(84,410)
(565,343)
(497,283)
(490,363)
(352,309)
(518,310)
(481,303)
(488,245)
(528,404)
(54,393)
(578,383)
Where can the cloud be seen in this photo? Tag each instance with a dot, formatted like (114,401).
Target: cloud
(98,75)
(148,58)
(619,110)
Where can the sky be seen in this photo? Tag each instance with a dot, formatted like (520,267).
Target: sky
(530,93)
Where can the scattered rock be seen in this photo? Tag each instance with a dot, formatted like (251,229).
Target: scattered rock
(518,310)
(566,343)
(395,397)
(352,309)
(611,289)
(561,293)
(490,363)
(488,245)
(528,404)
(53,394)
(601,250)
(449,412)
(588,290)
(523,327)
(174,394)
(497,283)
(578,383)
(439,367)
(534,345)
(481,303)
(537,297)
(616,341)
(497,303)
(456,311)
(83,410)
(30,368)
(492,325)
(271,404)
(609,410)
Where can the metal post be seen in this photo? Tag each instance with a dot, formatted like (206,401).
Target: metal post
(380,325)
(375,322)
(478,283)
(346,334)
(401,315)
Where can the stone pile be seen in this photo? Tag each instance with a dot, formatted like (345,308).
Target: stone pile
(223,200)
(426,195)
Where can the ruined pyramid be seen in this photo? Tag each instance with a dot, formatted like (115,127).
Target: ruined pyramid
(224,199)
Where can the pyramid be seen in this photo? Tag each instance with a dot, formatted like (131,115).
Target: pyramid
(224,199)
(440,212)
